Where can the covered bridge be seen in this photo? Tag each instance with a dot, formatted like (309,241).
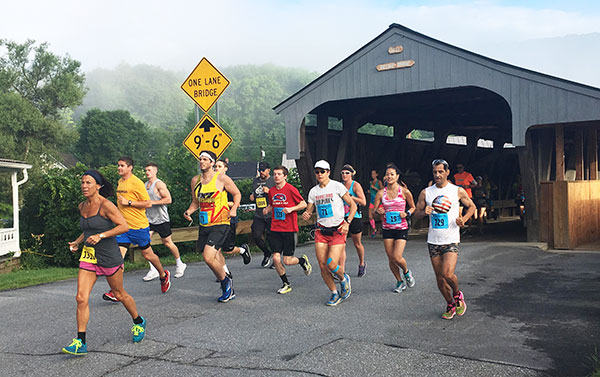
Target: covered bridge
(521,127)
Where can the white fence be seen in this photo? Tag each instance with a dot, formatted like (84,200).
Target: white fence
(9,241)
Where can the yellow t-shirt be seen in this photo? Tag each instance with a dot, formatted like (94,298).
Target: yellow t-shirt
(133,189)
(214,208)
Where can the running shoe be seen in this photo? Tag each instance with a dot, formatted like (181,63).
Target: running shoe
(334,300)
(247,256)
(76,348)
(228,292)
(362,270)
(165,283)
(267,261)
(400,286)
(284,289)
(450,312)
(180,270)
(374,234)
(345,286)
(461,305)
(151,275)
(335,277)
(110,296)
(306,266)
(138,331)
(410,280)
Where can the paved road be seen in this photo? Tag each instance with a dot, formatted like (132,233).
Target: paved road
(530,313)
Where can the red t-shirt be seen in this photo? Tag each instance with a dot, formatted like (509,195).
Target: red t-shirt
(287,196)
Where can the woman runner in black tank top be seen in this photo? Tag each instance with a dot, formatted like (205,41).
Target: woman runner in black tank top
(100,222)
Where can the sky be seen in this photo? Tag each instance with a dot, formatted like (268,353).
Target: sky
(561,38)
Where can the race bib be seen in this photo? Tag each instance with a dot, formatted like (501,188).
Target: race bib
(261,202)
(88,254)
(324,210)
(203,217)
(439,220)
(278,213)
(393,217)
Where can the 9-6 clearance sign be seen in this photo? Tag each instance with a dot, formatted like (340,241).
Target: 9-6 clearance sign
(205,85)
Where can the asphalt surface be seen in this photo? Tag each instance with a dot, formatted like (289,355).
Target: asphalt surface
(530,313)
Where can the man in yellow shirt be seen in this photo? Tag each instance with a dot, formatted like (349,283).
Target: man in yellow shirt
(132,201)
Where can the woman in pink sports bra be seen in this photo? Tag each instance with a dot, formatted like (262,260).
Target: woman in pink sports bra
(397,206)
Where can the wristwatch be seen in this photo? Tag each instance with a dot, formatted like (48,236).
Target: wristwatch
(101,235)
(129,203)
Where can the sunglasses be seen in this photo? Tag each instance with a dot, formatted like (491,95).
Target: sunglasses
(346,173)
(320,171)
(442,162)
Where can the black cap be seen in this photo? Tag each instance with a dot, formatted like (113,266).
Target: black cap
(263,166)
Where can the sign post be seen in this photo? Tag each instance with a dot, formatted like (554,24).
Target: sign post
(204,86)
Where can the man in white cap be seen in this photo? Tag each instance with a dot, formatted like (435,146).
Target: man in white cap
(328,198)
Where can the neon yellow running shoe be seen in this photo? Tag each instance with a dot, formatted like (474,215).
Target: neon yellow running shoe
(461,305)
(284,289)
(450,312)
(76,348)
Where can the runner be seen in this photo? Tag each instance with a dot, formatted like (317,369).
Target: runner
(132,201)
(209,195)
(398,206)
(356,227)
(100,222)
(229,247)
(285,201)
(374,186)
(465,180)
(262,222)
(158,217)
(328,197)
(440,202)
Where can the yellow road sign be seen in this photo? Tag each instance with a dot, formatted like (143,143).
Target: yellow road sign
(207,135)
(205,84)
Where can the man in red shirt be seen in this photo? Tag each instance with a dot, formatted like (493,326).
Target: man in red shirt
(465,180)
(285,201)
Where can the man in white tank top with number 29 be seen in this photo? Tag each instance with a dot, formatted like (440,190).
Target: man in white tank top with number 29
(441,203)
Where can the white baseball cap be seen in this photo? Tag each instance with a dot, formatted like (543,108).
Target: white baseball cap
(322,164)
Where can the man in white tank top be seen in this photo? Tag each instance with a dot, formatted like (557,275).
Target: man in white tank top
(159,220)
(441,202)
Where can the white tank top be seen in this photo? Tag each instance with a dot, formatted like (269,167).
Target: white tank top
(443,229)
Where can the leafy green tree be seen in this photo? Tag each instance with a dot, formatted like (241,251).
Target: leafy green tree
(104,136)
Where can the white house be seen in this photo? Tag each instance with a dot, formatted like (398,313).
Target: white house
(9,237)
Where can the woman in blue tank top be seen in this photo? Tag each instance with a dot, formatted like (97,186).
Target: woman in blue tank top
(356,226)
(100,222)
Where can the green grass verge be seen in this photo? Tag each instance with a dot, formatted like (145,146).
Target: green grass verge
(20,278)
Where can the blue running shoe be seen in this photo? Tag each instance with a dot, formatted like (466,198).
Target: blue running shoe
(346,289)
(228,292)
(400,286)
(138,331)
(76,348)
(334,300)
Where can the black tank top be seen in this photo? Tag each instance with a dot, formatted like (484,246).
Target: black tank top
(107,250)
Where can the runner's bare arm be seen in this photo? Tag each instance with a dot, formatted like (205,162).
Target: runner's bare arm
(360,198)
(134,203)
(298,207)
(268,209)
(466,202)
(163,192)
(231,188)
(377,202)
(410,203)
(422,208)
(74,245)
(194,204)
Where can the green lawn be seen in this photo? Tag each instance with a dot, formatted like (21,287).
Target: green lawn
(20,278)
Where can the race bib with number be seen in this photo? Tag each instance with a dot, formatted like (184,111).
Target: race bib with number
(439,220)
(203,217)
(88,254)
(261,202)
(278,213)
(325,210)
(393,217)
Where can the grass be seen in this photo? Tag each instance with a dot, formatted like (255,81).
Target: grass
(20,278)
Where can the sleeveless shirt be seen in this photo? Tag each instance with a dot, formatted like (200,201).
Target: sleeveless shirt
(214,209)
(358,214)
(393,208)
(443,229)
(107,250)
(157,214)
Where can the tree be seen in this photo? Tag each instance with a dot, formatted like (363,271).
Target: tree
(50,83)
(104,136)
